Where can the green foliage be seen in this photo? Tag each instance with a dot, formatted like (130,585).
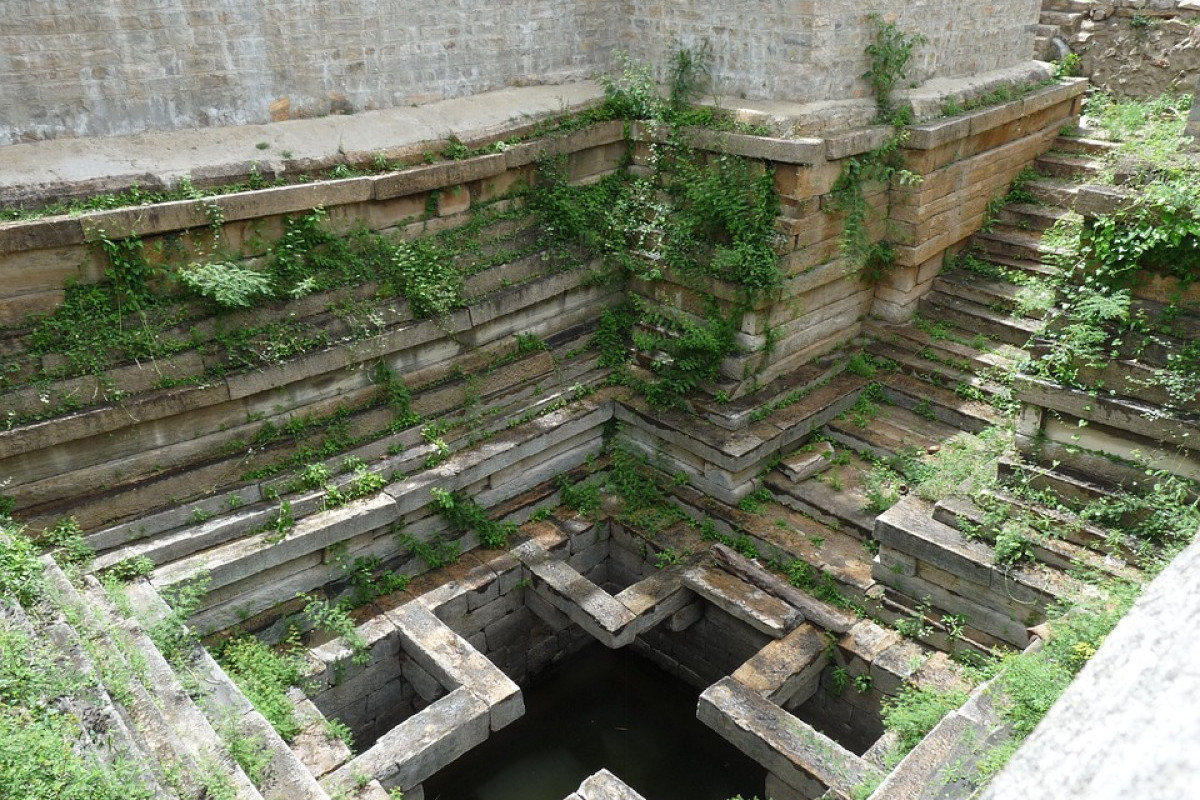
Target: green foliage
(20,568)
(1068,66)
(817,582)
(614,335)
(40,753)
(632,93)
(65,539)
(584,496)
(914,712)
(754,502)
(890,52)
(721,223)
(336,620)
(129,273)
(369,581)
(265,675)
(227,284)
(687,353)
(250,751)
(130,568)
(435,552)
(427,278)
(465,515)
(170,634)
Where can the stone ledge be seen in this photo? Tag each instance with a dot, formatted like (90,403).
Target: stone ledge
(792,750)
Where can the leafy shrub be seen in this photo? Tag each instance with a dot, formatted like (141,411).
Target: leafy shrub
(226,284)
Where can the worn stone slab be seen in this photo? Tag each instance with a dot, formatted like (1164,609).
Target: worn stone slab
(1115,412)
(803,464)
(909,527)
(603,785)
(787,669)
(1097,744)
(856,142)
(585,603)
(740,599)
(421,745)
(248,557)
(653,599)
(437,176)
(452,660)
(37,234)
(791,749)
(991,621)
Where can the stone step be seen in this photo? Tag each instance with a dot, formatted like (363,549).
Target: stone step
(938,768)
(1012,243)
(924,398)
(955,343)
(1033,268)
(921,556)
(1030,216)
(972,316)
(1068,165)
(890,432)
(1046,30)
(155,702)
(996,294)
(1083,145)
(938,371)
(1060,553)
(1060,19)
(838,500)
(1054,191)
(1072,489)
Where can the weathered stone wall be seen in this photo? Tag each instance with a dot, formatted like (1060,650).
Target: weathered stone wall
(121,66)
(1137,48)
(811,51)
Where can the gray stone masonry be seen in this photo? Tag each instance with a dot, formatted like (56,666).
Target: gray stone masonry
(125,66)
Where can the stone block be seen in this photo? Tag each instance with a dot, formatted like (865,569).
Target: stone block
(787,669)
(789,748)
(603,785)
(454,662)
(739,599)
(421,745)
(437,176)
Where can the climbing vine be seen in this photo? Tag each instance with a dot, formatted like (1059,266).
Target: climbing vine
(889,53)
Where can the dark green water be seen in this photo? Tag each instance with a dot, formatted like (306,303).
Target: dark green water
(603,709)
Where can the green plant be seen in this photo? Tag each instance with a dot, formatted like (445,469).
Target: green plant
(839,679)
(914,712)
(890,52)
(278,528)
(227,284)
(170,634)
(130,568)
(753,503)
(264,675)
(1068,66)
(863,683)
(251,752)
(465,515)
(20,568)
(436,552)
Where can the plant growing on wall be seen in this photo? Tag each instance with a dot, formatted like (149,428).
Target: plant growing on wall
(890,52)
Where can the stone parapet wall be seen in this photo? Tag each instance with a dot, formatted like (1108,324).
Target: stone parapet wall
(814,51)
(124,66)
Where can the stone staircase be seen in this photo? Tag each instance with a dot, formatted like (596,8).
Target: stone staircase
(1059,20)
